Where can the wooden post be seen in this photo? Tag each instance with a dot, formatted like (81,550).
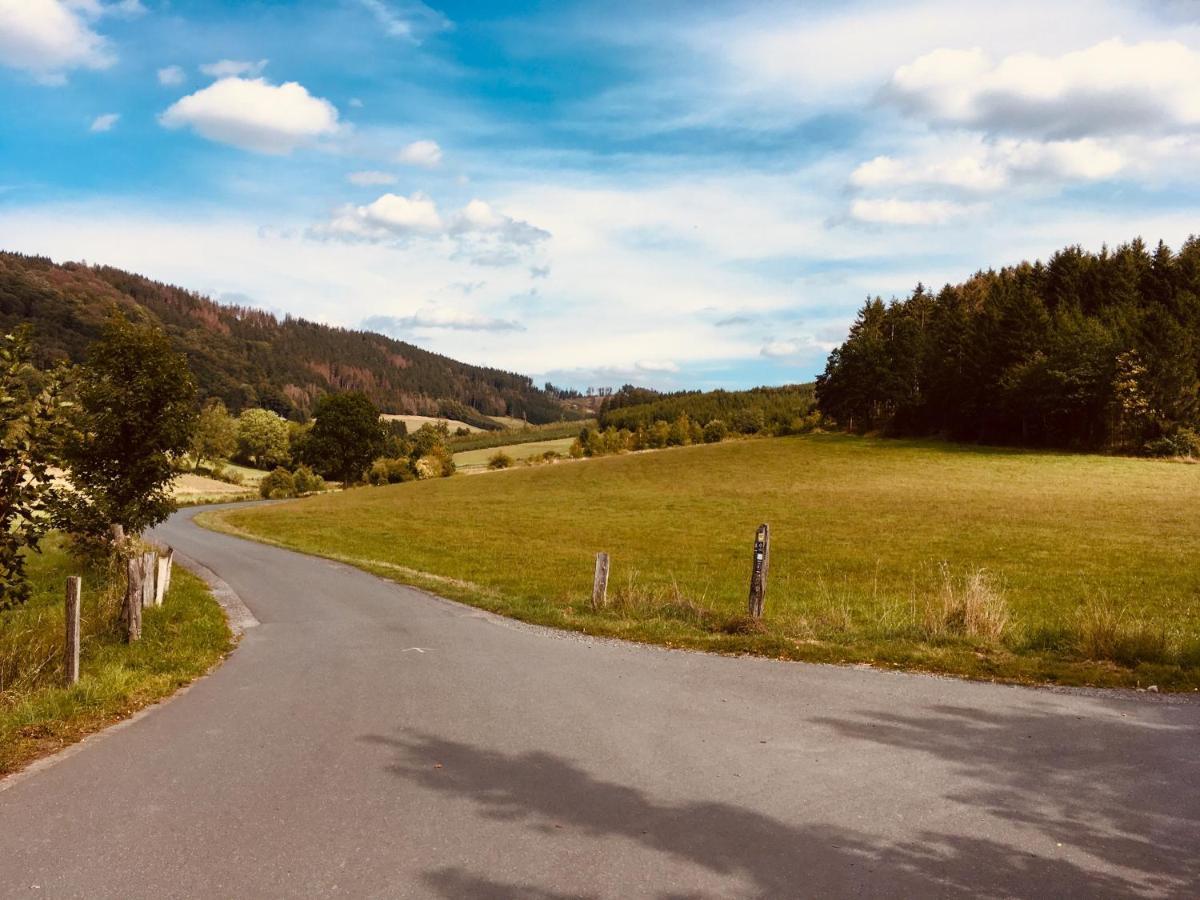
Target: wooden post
(71,656)
(758,575)
(118,536)
(161,577)
(131,614)
(600,582)
(170,569)
(149,569)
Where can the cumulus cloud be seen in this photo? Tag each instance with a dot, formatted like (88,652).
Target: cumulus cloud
(389,217)
(993,166)
(426,154)
(170,76)
(894,211)
(479,218)
(438,319)
(233,68)
(254,115)
(49,38)
(1109,88)
(480,233)
(104,122)
(370,177)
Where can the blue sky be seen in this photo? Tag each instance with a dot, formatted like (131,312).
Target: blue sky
(676,194)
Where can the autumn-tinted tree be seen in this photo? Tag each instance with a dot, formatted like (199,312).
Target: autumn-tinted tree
(134,415)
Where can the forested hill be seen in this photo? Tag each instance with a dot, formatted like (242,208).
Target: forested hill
(1088,350)
(251,358)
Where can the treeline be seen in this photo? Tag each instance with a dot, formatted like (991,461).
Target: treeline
(775,410)
(249,358)
(1087,351)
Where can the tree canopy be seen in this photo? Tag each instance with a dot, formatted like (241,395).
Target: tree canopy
(1088,351)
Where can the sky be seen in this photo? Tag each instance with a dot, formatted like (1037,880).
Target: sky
(673,194)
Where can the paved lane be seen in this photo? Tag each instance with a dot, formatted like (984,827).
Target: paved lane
(370,740)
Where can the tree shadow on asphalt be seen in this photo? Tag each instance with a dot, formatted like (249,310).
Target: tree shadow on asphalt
(1125,790)
(772,858)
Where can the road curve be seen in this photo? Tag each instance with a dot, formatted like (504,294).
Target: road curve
(371,740)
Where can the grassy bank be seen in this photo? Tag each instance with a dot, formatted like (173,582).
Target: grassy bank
(983,562)
(181,640)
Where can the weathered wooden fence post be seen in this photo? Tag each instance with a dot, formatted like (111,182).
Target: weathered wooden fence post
(600,582)
(131,613)
(71,655)
(758,575)
(162,577)
(149,569)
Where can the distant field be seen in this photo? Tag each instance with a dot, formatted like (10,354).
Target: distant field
(478,459)
(524,435)
(415,422)
(509,421)
(985,562)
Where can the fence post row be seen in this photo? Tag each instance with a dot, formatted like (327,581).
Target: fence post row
(600,582)
(758,575)
(74,591)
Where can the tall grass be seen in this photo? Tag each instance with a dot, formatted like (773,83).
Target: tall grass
(181,640)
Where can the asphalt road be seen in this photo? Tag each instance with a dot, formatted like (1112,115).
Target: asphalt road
(370,740)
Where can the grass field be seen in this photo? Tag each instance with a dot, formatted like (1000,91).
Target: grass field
(984,562)
(478,459)
(412,423)
(181,640)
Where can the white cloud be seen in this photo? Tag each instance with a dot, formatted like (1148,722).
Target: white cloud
(48,38)
(780,349)
(478,217)
(355,102)
(1109,88)
(389,216)
(255,115)
(426,154)
(656,365)
(104,122)
(170,76)
(481,234)
(370,177)
(233,68)
(987,167)
(412,21)
(894,211)
(438,318)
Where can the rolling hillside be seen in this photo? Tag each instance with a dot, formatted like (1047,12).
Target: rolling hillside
(248,357)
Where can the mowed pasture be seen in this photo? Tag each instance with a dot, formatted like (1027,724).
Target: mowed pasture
(985,562)
(467,460)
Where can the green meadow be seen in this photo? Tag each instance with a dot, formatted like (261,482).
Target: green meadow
(984,562)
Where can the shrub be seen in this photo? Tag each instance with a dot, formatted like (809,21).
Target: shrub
(715,432)
(307,481)
(391,471)
(499,460)
(278,485)
(221,472)
(1183,443)
(576,450)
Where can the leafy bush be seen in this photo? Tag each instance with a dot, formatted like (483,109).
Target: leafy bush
(499,460)
(306,481)
(278,485)
(391,471)
(1184,443)
(715,432)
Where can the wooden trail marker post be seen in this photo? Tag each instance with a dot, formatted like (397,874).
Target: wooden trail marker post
(71,656)
(600,582)
(758,575)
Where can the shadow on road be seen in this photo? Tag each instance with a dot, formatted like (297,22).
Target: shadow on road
(1124,791)
(771,858)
